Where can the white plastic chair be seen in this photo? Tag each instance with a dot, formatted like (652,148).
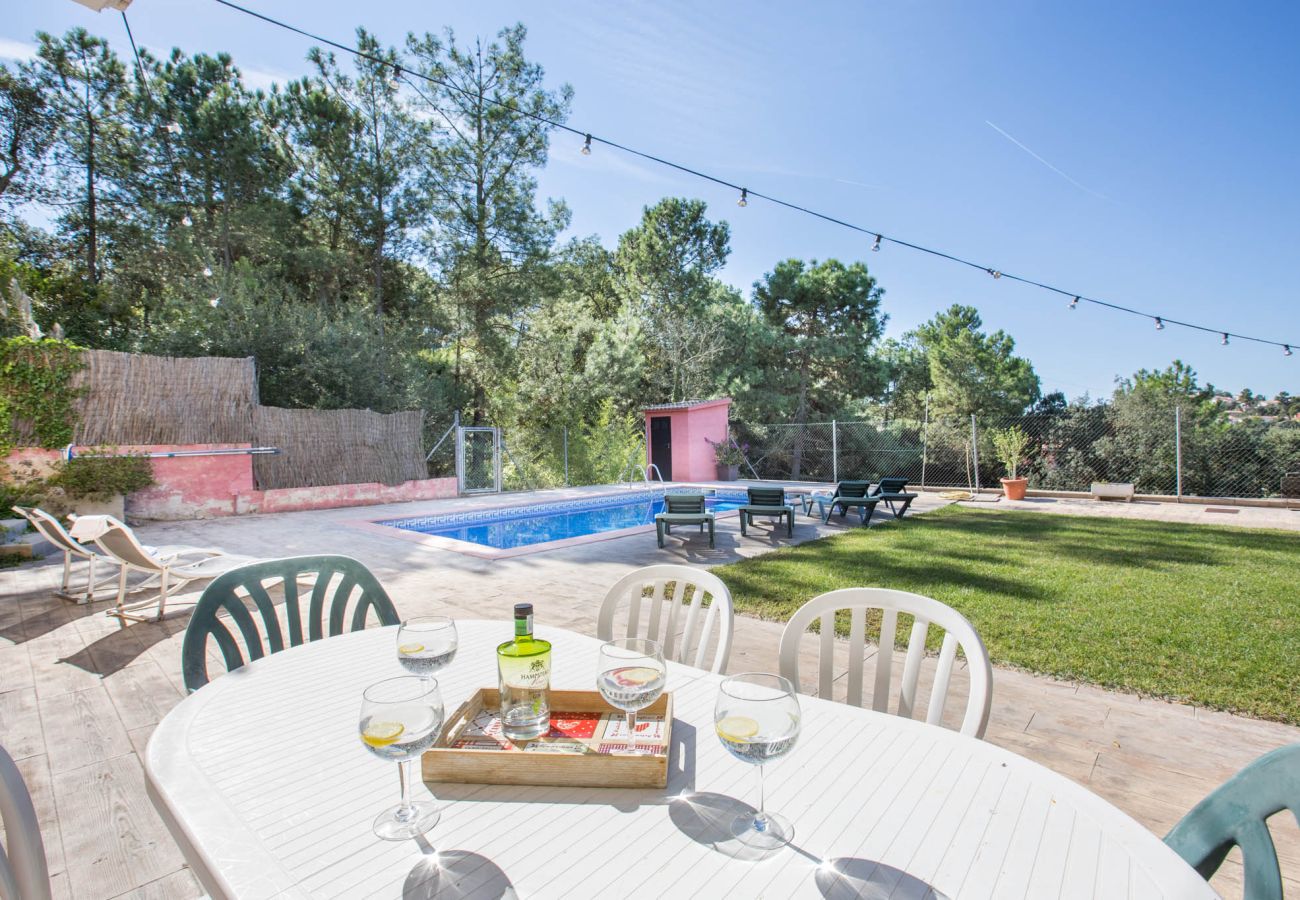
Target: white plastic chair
(925,611)
(174,566)
(685,642)
(24,874)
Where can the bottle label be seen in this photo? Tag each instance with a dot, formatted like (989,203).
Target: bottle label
(531,674)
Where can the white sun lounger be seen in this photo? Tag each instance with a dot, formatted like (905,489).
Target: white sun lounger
(174,566)
(53,531)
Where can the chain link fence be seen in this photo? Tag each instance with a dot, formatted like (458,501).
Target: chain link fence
(1172,452)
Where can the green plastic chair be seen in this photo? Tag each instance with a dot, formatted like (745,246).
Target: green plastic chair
(1235,814)
(226,594)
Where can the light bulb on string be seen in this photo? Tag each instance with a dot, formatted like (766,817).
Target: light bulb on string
(1286,349)
(173,127)
(744,197)
(187,221)
(395,83)
(207,271)
(994,272)
(1074,304)
(1224,342)
(214,302)
(876,245)
(586,146)
(1160,326)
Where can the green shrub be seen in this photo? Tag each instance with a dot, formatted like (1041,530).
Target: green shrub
(102,478)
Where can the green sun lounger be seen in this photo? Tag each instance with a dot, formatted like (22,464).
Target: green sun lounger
(683,509)
(894,491)
(769,502)
(848,495)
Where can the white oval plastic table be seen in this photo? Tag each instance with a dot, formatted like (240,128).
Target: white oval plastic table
(263,781)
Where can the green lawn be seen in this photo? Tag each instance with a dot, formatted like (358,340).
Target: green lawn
(1202,614)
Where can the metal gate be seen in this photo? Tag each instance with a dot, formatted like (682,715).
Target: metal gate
(478,460)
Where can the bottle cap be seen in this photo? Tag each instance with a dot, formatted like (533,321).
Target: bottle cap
(523,609)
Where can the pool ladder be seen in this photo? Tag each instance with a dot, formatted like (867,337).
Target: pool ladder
(625,477)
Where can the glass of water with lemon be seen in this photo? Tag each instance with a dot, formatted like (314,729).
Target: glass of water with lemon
(400,719)
(757,719)
(631,675)
(426,644)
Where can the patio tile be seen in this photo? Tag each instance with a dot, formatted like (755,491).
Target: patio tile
(81,728)
(20,723)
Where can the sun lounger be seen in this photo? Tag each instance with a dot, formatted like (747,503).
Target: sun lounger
(893,491)
(769,502)
(174,566)
(683,509)
(53,531)
(848,495)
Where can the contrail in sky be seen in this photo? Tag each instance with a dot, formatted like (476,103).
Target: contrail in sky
(1081,187)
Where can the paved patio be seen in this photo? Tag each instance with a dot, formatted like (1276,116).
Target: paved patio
(79,696)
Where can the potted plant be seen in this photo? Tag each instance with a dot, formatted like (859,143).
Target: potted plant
(96,485)
(728,455)
(1010,446)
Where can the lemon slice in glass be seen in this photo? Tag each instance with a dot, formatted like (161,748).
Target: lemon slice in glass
(410,649)
(381,734)
(737,728)
(636,675)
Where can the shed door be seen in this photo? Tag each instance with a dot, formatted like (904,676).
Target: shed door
(661,445)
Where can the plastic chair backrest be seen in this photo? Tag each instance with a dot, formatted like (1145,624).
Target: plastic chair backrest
(1235,814)
(24,874)
(891,486)
(762,496)
(852,489)
(924,611)
(683,503)
(685,642)
(327,595)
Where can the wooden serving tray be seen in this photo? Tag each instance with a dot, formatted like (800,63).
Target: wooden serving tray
(574,754)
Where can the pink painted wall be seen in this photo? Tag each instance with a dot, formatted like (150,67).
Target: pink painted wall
(692,429)
(204,487)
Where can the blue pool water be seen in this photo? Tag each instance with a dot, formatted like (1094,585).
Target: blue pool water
(509,528)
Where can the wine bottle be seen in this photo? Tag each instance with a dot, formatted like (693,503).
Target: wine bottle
(524,668)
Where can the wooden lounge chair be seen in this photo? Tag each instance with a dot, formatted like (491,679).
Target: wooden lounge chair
(683,509)
(892,491)
(174,566)
(849,494)
(769,502)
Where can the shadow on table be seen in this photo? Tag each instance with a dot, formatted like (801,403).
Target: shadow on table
(848,878)
(449,874)
(706,819)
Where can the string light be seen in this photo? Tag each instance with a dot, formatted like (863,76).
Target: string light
(1224,342)
(1160,326)
(744,192)
(214,302)
(173,127)
(207,271)
(1286,349)
(586,146)
(187,221)
(876,245)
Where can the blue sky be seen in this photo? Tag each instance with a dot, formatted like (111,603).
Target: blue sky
(1144,153)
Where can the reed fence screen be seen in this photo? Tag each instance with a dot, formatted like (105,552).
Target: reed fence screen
(322,447)
(131,398)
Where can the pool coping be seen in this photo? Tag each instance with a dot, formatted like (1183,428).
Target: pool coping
(468,548)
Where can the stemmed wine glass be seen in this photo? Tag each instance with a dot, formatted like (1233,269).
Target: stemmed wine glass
(400,719)
(631,675)
(426,644)
(757,719)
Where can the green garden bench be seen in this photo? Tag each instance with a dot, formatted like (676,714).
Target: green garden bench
(683,509)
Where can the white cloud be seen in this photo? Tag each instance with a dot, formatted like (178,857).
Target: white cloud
(16,50)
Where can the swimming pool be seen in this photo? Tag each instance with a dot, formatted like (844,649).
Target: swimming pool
(526,527)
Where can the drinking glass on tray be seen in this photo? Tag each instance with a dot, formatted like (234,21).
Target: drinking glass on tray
(631,675)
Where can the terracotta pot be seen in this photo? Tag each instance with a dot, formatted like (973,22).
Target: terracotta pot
(1014,488)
